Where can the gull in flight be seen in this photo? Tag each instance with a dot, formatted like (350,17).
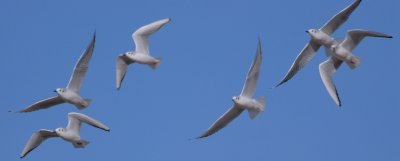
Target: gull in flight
(71,133)
(321,37)
(342,51)
(69,94)
(244,100)
(141,54)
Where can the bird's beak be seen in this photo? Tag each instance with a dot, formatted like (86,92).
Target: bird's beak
(307,31)
(55,91)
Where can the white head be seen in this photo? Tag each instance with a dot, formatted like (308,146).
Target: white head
(59,90)
(313,32)
(60,130)
(235,99)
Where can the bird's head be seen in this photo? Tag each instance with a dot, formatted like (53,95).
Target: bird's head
(235,99)
(312,32)
(60,130)
(59,90)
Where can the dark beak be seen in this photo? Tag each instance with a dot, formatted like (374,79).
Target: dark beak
(55,91)
(307,31)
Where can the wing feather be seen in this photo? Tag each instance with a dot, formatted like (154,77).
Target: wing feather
(301,60)
(327,69)
(354,37)
(43,104)
(36,139)
(81,67)
(336,21)
(253,74)
(75,120)
(141,35)
(224,120)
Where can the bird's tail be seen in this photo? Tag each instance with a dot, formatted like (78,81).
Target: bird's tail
(81,143)
(84,104)
(253,112)
(155,64)
(354,62)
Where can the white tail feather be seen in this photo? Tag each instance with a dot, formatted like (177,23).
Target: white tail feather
(80,143)
(354,62)
(156,64)
(253,112)
(84,104)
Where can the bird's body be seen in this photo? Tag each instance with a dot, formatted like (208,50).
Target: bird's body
(72,97)
(321,38)
(247,103)
(143,59)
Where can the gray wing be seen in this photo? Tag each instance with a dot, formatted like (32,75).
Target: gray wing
(36,139)
(75,120)
(253,74)
(354,37)
(302,60)
(81,67)
(326,70)
(43,104)
(122,67)
(334,23)
(141,35)
(222,121)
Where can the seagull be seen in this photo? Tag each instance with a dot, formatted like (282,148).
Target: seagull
(141,54)
(342,51)
(71,133)
(244,100)
(69,94)
(319,37)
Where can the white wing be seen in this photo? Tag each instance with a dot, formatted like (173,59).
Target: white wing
(302,60)
(334,23)
(252,76)
(122,67)
(354,37)
(223,121)
(141,36)
(36,139)
(326,70)
(81,67)
(75,120)
(43,104)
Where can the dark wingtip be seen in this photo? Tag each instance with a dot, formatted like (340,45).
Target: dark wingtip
(200,137)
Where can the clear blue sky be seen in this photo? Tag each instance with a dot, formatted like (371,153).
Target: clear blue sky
(206,49)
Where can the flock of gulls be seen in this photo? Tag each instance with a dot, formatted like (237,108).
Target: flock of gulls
(338,51)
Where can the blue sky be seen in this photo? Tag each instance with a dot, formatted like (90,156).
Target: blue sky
(206,50)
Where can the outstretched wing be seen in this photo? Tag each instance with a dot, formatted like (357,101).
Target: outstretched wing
(302,60)
(253,74)
(334,23)
(354,37)
(122,67)
(141,36)
(36,139)
(81,67)
(43,104)
(326,70)
(224,120)
(75,120)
